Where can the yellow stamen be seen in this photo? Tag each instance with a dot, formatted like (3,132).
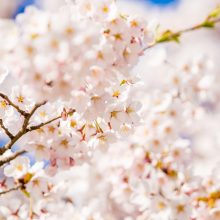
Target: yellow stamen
(19,167)
(118,36)
(105,9)
(29,50)
(129,110)
(134,23)
(180,208)
(64,143)
(73,123)
(40,147)
(116,93)
(51,129)
(100,55)
(42,114)
(69,30)
(161,205)
(34,36)
(20,99)
(3,104)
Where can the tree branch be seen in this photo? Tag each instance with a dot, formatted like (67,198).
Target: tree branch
(32,128)
(7,132)
(21,133)
(12,157)
(28,117)
(168,35)
(11,143)
(24,130)
(11,190)
(5,97)
(35,127)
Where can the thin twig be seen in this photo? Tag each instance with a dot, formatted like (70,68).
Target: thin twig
(22,112)
(10,135)
(28,117)
(35,127)
(11,190)
(178,33)
(24,129)
(22,132)
(12,142)
(12,157)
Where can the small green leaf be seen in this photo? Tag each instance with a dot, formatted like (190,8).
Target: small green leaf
(176,38)
(208,24)
(168,36)
(214,14)
(123,82)
(26,193)
(123,16)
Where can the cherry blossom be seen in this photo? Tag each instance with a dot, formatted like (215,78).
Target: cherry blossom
(94,129)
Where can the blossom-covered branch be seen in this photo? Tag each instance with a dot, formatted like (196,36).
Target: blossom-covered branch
(22,112)
(7,132)
(12,157)
(137,157)
(24,129)
(168,35)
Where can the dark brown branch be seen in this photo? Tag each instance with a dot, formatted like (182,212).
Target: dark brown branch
(5,97)
(11,190)
(28,117)
(7,132)
(21,133)
(12,157)
(37,106)
(11,143)
(24,129)
(35,127)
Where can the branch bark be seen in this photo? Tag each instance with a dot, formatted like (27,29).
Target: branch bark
(7,132)
(12,157)
(22,132)
(24,129)
(28,117)
(5,97)
(11,189)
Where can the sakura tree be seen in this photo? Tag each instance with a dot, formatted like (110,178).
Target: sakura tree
(105,142)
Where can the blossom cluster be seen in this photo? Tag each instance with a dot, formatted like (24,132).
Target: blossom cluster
(106,143)
(81,58)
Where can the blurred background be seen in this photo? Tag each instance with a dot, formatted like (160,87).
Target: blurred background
(10,8)
(175,15)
